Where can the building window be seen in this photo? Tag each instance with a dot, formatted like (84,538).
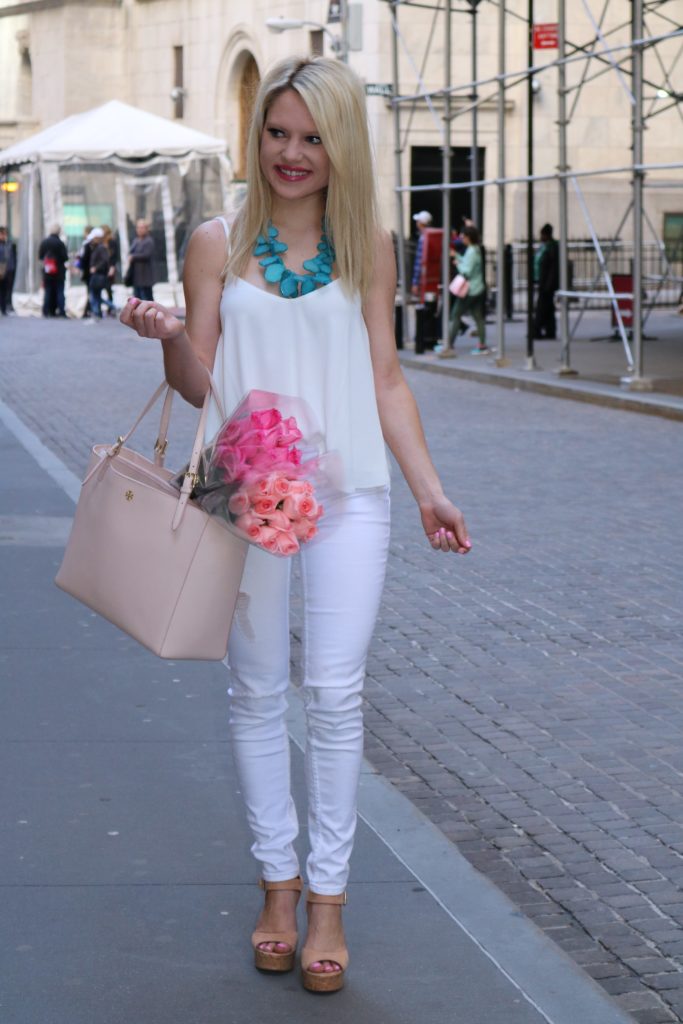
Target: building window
(178,91)
(316,42)
(673,236)
(248,85)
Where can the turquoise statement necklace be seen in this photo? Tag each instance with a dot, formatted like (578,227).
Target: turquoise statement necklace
(318,270)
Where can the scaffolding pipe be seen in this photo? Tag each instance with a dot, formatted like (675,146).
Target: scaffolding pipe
(637,81)
(446,195)
(398,170)
(474,155)
(522,73)
(530,361)
(565,362)
(500,248)
(554,176)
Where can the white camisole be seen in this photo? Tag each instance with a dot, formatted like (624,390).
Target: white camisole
(314,347)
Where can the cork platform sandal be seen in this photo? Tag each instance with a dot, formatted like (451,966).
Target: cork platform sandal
(323,981)
(264,959)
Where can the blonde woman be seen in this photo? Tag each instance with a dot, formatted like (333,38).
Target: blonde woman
(296,296)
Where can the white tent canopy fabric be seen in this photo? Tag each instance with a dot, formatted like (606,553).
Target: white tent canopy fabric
(113,130)
(114,164)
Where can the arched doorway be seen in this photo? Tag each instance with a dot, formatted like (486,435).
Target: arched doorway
(249,79)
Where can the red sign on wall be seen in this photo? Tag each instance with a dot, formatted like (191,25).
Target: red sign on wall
(546,36)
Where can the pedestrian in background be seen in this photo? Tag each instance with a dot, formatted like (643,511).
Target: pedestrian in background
(99,272)
(112,244)
(547,277)
(423,220)
(83,264)
(324,334)
(141,262)
(54,257)
(471,265)
(6,271)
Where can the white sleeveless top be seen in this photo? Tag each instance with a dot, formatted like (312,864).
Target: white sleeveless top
(314,347)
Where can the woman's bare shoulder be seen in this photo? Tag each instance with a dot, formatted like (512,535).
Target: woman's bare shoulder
(206,248)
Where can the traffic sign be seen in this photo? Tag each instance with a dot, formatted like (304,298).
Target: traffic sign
(546,36)
(379,89)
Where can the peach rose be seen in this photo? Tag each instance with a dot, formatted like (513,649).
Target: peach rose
(286,543)
(249,525)
(239,503)
(264,506)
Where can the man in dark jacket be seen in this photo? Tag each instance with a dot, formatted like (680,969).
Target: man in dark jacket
(141,262)
(99,265)
(6,271)
(54,257)
(547,274)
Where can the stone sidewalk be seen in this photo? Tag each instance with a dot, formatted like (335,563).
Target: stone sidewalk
(527,698)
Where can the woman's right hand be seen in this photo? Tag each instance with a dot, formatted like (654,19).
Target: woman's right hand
(151,320)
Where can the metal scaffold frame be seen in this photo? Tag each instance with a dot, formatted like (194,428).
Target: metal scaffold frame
(600,56)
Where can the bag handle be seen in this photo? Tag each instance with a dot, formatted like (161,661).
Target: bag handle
(161,443)
(211,393)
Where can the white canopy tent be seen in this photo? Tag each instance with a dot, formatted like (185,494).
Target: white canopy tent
(112,164)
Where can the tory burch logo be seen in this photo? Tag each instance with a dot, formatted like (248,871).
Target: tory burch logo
(129,495)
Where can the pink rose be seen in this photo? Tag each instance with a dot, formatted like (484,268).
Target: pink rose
(307,506)
(289,432)
(268,538)
(232,463)
(250,525)
(279,520)
(238,503)
(265,419)
(297,486)
(231,434)
(264,506)
(286,543)
(304,530)
(258,488)
(278,484)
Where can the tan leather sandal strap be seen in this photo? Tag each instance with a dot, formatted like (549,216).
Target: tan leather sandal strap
(316,897)
(290,885)
(313,956)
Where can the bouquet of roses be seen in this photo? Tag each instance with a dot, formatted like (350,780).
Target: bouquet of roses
(262,477)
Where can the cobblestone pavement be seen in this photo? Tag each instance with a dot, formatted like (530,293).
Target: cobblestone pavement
(528,697)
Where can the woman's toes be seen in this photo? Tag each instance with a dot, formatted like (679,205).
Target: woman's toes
(274,947)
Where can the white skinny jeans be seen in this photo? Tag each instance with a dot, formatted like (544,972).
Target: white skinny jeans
(343,575)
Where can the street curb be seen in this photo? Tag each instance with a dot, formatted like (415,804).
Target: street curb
(666,407)
(554,984)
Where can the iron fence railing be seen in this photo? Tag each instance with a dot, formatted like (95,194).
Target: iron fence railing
(662,272)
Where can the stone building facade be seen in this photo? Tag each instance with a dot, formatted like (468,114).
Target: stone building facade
(199,60)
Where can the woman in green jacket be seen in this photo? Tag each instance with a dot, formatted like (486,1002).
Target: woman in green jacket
(471,265)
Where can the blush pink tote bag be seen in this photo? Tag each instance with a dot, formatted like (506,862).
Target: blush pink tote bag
(148,559)
(459,286)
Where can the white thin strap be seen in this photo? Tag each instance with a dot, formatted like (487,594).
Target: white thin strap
(226,226)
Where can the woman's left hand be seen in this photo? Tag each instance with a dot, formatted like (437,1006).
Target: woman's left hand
(445,527)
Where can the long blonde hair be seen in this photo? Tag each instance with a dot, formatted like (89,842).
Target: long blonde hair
(335,98)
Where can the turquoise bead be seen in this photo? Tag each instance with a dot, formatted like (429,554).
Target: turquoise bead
(274,272)
(289,287)
(318,268)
